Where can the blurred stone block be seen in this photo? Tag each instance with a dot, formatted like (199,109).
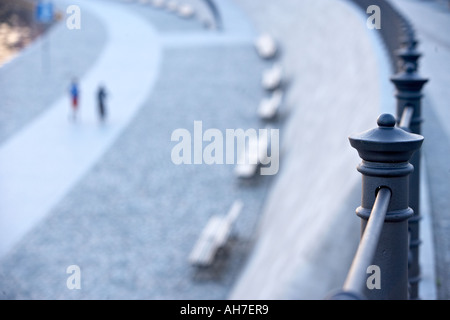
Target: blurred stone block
(266,46)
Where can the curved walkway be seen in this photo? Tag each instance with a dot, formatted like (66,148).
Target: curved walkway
(42,162)
(34,80)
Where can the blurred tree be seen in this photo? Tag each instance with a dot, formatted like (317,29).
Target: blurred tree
(16,12)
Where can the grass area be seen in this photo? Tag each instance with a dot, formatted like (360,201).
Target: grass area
(16,12)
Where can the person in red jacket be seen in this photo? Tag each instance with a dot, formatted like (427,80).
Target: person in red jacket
(74,94)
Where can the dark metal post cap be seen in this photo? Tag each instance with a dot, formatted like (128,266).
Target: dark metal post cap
(387,143)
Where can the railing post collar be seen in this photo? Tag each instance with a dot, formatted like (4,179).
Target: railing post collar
(408,80)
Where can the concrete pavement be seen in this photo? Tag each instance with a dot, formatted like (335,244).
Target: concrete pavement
(309,231)
(317,272)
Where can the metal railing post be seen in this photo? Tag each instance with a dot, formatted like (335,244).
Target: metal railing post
(385,152)
(408,52)
(409,94)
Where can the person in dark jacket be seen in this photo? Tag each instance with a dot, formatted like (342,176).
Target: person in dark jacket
(101,97)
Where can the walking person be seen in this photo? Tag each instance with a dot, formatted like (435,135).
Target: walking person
(101,96)
(74,94)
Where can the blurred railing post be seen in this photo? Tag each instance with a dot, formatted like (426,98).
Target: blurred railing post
(409,94)
(385,152)
(408,52)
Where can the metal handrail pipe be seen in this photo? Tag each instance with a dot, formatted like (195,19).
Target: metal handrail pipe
(357,276)
(405,120)
(215,12)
